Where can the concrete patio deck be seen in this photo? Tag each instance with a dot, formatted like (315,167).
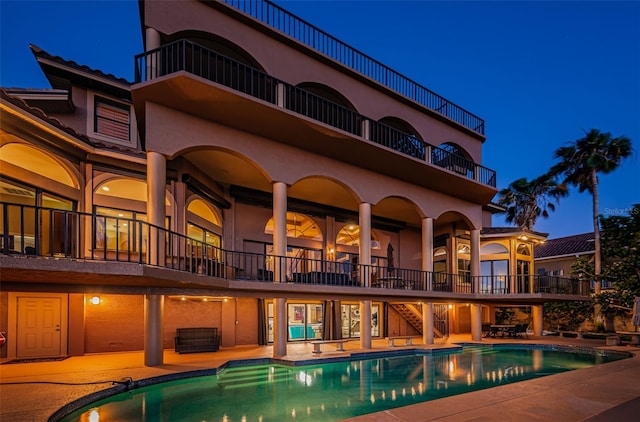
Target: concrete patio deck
(609,392)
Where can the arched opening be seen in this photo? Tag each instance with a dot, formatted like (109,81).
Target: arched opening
(39,189)
(120,205)
(204,225)
(304,254)
(324,104)
(453,157)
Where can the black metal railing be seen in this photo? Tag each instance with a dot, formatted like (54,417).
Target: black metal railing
(397,140)
(282,20)
(318,108)
(183,55)
(46,232)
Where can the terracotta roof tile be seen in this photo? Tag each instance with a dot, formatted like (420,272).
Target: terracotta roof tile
(569,245)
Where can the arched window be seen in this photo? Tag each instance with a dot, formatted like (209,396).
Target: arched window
(203,223)
(349,235)
(37,162)
(299,226)
(493,249)
(523,250)
(120,204)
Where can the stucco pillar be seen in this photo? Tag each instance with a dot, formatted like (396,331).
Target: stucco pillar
(476,322)
(280,327)
(279,230)
(475,260)
(538,320)
(154,304)
(87,207)
(427,323)
(156,180)
(153,323)
(366,129)
(365,273)
(427,251)
(152,38)
(279,268)
(281,99)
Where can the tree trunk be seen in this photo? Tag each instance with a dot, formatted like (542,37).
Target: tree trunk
(596,231)
(597,309)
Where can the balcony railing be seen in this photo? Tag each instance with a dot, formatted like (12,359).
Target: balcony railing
(183,55)
(280,19)
(45,232)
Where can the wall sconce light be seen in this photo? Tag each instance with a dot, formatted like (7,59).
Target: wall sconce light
(331,250)
(95,300)
(450,306)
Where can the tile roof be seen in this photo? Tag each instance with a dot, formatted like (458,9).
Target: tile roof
(578,244)
(510,230)
(39,53)
(40,114)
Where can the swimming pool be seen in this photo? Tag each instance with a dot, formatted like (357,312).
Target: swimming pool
(338,389)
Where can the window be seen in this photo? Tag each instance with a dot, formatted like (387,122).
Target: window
(351,321)
(494,276)
(111,119)
(48,230)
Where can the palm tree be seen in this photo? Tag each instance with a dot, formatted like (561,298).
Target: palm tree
(581,161)
(525,201)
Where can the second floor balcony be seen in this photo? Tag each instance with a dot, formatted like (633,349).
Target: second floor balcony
(67,238)
(275,96)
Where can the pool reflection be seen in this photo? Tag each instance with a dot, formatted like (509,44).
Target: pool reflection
(332,391)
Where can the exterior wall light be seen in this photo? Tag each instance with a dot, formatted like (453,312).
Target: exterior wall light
(95,300)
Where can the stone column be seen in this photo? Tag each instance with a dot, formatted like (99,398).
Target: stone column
(279,267)
(475,260)
(476,322)
(538,320)
(153,323)
(427,251)
(281,99)
(152,42)
(365,273)
(427,323)
(154,304)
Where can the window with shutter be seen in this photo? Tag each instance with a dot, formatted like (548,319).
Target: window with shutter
(111,119)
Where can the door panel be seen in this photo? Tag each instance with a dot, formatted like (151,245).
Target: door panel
(39,332)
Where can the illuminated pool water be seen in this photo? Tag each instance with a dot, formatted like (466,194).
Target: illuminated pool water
(336,390)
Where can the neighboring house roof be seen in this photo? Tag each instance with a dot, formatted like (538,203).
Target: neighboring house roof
(579,244)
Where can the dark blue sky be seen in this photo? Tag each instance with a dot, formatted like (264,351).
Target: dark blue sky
(540,73)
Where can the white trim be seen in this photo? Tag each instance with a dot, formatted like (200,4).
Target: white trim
(569,255)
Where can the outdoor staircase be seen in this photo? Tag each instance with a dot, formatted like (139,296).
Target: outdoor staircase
(413,315)
(252,376)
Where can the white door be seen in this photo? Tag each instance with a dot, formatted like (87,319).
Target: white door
(38,327)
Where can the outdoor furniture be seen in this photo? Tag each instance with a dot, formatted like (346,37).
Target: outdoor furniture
(635,336)
(197,339)
(518,331)
(339,344)
(408,340)
(501,329)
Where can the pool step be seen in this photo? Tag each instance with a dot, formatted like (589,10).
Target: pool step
(245,377)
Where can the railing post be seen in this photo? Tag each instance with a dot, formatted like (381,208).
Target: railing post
(152,42)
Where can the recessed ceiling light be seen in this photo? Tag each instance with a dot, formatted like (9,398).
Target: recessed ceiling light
(105,188)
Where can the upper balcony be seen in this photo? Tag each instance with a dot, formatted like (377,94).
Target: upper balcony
(70,247)
(164,70)
(283,21)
